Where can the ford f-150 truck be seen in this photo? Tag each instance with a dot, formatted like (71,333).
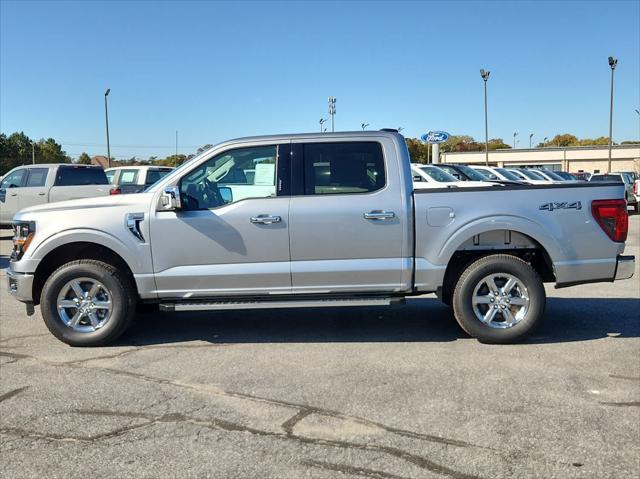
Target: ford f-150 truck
(313,220)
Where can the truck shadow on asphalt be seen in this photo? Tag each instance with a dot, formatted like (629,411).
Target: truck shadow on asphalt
(420,320)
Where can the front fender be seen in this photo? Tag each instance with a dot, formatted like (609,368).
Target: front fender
(136,255)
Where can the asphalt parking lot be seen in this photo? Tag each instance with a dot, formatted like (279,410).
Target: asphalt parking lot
(397,392)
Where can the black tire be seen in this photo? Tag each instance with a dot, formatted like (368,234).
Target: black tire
(123,302)
(473,276)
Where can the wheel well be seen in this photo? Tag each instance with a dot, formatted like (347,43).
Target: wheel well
(533,253)
(71,252)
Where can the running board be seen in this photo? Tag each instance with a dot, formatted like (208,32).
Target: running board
(294,303)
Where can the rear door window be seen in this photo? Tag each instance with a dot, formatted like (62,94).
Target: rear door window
(128,177)
(155,175)
(80,176)
(343,168)
(37,177)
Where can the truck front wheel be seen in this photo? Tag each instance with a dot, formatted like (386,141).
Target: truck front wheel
(499,299)
(87,303)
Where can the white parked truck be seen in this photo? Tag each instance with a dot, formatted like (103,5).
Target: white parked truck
(36,184)
(326,219)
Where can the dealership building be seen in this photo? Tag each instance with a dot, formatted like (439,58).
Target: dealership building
(574,159)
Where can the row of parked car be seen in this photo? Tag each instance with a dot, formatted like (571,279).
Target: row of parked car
(444,175)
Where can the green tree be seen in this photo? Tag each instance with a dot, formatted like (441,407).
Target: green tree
(497,144)
(51,152)
(84,159)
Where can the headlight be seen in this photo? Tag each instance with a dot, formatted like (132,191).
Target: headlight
(23,232)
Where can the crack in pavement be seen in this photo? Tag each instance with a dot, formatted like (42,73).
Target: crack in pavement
(139,349)
(621,404)
(216,423)
(353,470)
(15,392)
(630,378)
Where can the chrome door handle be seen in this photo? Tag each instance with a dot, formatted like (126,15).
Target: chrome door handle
(265,219)
(379,215)
(41,194)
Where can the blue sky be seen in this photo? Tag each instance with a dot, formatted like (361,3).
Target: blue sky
(216,70)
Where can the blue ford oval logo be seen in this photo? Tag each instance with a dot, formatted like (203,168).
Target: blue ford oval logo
(435,136)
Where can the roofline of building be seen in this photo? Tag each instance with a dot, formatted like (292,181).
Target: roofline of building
(545,148)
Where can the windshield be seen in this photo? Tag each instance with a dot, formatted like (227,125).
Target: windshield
(553,175)
(472,174)
(507,174)
(438,175)
(532,175)
(565,175)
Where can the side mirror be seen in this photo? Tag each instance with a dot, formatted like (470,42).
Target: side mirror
(170,198)
(226,193)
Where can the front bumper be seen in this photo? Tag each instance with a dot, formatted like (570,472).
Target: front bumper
(625,267)
(20,285)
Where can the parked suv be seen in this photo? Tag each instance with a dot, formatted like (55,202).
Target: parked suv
(32,185)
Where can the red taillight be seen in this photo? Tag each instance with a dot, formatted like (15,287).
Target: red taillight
(115,191)
(612,217)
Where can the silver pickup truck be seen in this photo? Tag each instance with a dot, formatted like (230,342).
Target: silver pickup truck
(314,220)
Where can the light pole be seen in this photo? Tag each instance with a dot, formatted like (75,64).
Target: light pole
(485,76)
(400,128)
(106,119)
(322,121)
(33,152)
(332,111)
(515,133)
(613,62)
(638,112)
(364,126)
(530,140)
(544,141)
(175,160)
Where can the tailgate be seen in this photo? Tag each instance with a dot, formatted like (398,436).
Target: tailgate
(64,193)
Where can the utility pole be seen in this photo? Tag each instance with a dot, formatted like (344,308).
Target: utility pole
(485,76)
(332,111)
(106,118)
(613,62)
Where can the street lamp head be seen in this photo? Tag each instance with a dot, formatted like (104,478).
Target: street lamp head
(484,74)
(613,62)
(106,93)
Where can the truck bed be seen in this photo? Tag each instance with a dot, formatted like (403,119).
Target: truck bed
(556,218)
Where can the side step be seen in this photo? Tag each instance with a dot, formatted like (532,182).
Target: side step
(294,303)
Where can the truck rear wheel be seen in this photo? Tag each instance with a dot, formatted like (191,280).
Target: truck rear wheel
(499,299)
(87,303)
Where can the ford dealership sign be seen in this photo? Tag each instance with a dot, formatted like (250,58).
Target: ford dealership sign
(435,137)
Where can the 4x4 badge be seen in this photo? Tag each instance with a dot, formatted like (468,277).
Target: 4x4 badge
(564,205)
